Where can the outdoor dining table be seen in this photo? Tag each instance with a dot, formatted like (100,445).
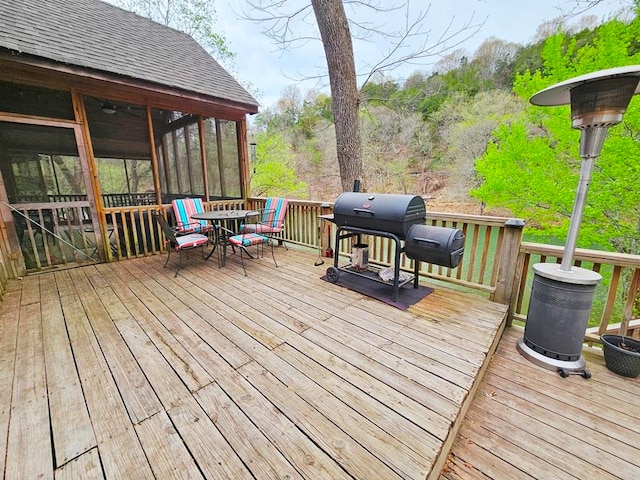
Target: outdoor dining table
(226,219)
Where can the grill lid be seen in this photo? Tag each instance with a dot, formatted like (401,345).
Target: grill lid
(379,211)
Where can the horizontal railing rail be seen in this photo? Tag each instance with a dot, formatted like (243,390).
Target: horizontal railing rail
(615,298)
(108,199)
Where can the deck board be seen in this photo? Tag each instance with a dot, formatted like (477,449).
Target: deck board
(86,466)
(119,449)
(8,340)
(528,420)
(274,375)
(136,392)
(70,423)
(190,372)
(261,456)
(280,375)
(29,417)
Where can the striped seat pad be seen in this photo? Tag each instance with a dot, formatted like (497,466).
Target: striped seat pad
(259,228)
(191,240)
(248,239)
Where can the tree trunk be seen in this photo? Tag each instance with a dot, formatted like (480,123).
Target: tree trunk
(336,38)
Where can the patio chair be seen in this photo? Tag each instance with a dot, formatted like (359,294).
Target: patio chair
(272,221)
(248,237)
(181,242)
(183,208)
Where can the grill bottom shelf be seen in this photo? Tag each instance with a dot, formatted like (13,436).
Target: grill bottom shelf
(373,273)
(343,233)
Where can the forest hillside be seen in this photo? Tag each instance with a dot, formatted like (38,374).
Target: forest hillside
(466,138)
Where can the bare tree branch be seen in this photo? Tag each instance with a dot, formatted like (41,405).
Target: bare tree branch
(448,40)
(290,25)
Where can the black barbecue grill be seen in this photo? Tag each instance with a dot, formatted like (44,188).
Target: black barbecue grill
(399,218)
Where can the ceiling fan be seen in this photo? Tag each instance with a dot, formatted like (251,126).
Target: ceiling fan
(109,107)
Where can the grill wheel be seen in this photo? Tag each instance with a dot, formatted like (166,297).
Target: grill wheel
(333,274)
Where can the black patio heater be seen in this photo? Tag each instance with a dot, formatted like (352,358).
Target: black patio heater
(562,295)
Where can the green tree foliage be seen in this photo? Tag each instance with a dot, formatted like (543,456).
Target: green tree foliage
(391,149)
(272,173)
(490,68)
(532,164)
(462,129)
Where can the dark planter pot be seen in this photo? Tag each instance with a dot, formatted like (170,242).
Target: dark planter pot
(623,361)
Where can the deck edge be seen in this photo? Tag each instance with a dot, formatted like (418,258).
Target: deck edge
(447,445)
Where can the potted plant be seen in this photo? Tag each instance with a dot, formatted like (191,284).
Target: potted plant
(621,354)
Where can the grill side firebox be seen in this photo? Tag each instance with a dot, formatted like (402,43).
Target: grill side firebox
(436,245)
(399,218)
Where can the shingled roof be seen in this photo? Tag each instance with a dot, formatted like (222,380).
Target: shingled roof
(99,36)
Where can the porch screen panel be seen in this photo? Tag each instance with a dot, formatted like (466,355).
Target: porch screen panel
(174,184)
(223,165)
(230,159)
(194,156)
(162,167)
(140,175)
(43,177)
(40,164)
(179,155)
(42,102)
(213,163)
(125,182)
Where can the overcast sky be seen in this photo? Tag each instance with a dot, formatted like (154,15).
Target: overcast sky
(269,70)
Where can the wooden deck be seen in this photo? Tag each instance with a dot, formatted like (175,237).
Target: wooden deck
(123,371)
(528,423)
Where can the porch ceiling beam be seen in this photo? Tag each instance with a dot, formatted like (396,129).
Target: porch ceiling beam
(39,72)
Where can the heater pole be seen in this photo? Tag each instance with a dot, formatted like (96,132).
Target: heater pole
(586,171)
(591,140)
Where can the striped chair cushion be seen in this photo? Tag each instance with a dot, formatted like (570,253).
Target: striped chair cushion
(183,208)
(248,239)
(273,220)
(191,240)
(277,210)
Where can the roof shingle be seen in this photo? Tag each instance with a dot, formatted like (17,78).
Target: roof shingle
(100,36)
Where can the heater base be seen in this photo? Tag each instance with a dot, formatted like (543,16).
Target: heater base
(564,368)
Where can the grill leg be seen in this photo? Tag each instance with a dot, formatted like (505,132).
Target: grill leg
(396,269)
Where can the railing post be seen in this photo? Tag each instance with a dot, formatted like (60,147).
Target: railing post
(507,282)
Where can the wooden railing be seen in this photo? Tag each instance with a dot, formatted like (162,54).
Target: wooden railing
(5,265)
(496,261)
(53,234)
(615,296)
(132,233)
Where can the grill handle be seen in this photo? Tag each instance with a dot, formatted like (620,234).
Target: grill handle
(363,210)
(427,240)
